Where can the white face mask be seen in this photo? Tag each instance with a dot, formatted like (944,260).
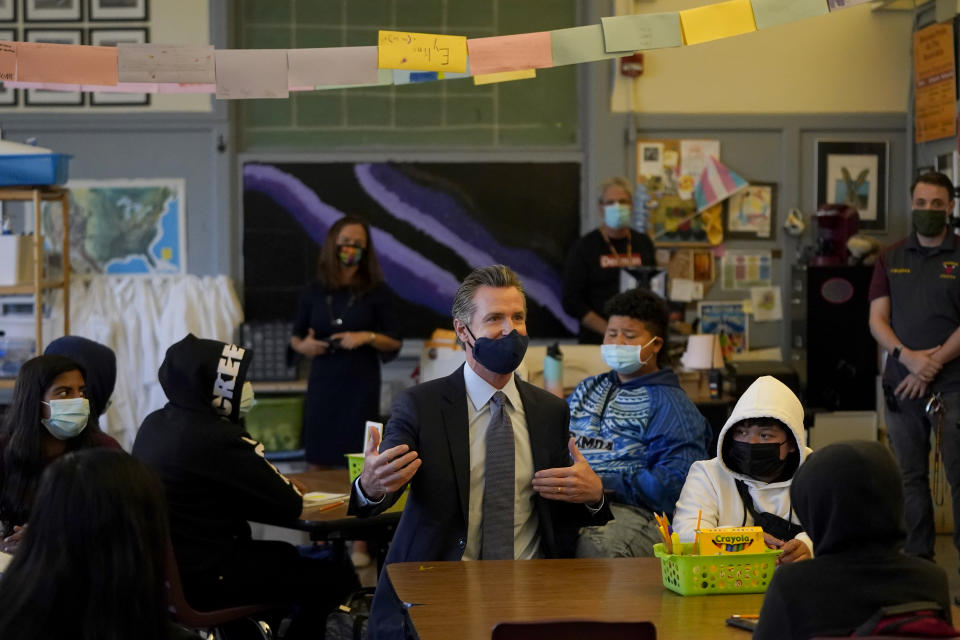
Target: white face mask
(247,401)
(68,417)
(625,358)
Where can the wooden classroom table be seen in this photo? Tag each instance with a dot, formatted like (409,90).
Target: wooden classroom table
(464,600)
(334,524)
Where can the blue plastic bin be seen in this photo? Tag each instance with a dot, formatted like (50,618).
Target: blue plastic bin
(38,169)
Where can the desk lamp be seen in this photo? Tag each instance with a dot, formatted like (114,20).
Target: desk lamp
(703,354)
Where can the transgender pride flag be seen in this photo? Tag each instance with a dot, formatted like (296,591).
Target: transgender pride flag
(717,183)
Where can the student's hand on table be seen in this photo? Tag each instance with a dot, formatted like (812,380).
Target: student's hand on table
(793,551)
(353,339)
(310,346)
(387,471)
(302,488)
(921,363)
(577,483)
(911,387)
(11,542)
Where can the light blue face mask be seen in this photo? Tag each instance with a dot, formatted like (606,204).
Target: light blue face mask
(68,417)
(624,358)
(616,216)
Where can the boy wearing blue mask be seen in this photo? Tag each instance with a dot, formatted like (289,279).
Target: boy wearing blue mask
(636,427)
(598,261)
(748,484)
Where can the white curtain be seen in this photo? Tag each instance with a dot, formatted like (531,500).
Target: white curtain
(139,317)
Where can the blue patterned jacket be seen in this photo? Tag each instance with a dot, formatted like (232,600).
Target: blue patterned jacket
(640,437)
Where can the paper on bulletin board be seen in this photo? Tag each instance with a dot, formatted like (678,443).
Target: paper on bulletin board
(682,290)
(422,51)
(694,155)
(642,31)
(716,21)
(578,44)
(162,63)
(766,304)
(650,159)
(771,13)
(504,76)
(728,320)
(8,61)
(933,72)
(746,269)
(510,53)
(66,63)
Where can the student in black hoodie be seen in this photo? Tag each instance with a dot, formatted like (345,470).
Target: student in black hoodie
(217,479)
(849,499)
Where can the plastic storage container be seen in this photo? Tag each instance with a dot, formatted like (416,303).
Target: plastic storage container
(355,466)
(276,422)
(691,575)
(34,169)
(13,353)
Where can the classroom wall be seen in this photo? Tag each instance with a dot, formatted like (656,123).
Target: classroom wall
(195,144)
(850,61)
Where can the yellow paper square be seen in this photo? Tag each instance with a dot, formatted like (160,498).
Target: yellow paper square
(504,76)
(422,51)
(716,21)
(166,253)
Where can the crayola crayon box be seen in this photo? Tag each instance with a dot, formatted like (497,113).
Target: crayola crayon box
(731,541)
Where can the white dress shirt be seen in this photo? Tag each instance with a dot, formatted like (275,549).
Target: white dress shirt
(526,533)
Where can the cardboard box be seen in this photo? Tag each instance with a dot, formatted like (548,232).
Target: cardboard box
(731,541)
(16,260)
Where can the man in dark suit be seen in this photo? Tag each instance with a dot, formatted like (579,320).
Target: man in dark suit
(488,456)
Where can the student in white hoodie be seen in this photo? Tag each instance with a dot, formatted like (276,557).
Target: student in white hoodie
(748,483)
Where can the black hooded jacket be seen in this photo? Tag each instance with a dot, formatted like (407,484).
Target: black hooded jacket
(215,475)
(849,499)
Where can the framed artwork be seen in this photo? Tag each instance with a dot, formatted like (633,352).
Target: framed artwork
(42,97)
(752,213)
(8,97)
(854,173)
(727,320)
(8,10)
(52,10)
(116,10)
(111,38)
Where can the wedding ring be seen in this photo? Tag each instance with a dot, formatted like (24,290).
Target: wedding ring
(559,489)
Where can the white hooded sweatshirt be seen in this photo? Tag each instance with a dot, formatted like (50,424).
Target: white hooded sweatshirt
(711,485)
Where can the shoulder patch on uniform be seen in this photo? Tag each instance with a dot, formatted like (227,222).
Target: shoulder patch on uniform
(900,270)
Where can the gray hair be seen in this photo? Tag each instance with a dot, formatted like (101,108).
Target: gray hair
(496,275)
(616,181)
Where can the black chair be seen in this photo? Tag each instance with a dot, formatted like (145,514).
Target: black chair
(187,616)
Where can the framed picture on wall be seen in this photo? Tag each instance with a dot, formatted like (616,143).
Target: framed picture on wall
(752,213)
(52,10)
(8,97)
(42,97)
(111,38)
(8,10)
(115,10)
(854,173)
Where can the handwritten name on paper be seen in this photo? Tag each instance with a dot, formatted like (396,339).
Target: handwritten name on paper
(422,51)
(8,61)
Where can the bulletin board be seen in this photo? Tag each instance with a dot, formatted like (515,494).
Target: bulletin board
(667,173)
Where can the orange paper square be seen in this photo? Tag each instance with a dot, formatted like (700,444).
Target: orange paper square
(66,63)
(510,53)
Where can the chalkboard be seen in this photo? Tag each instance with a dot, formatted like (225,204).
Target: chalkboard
(431,224)
(445,113)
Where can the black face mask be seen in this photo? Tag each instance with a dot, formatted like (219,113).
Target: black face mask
(756,460)
(502,355)
(929,222)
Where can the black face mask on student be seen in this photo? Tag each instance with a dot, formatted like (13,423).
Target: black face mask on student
(757,460)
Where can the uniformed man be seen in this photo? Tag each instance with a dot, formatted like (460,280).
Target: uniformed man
(915,317)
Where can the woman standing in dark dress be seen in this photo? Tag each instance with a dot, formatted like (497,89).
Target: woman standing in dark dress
(347,324)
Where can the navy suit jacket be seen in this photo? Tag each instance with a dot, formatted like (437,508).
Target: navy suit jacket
(432,419)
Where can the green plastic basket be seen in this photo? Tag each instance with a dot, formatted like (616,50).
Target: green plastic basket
(355,466)
(691,575)
(276,422)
